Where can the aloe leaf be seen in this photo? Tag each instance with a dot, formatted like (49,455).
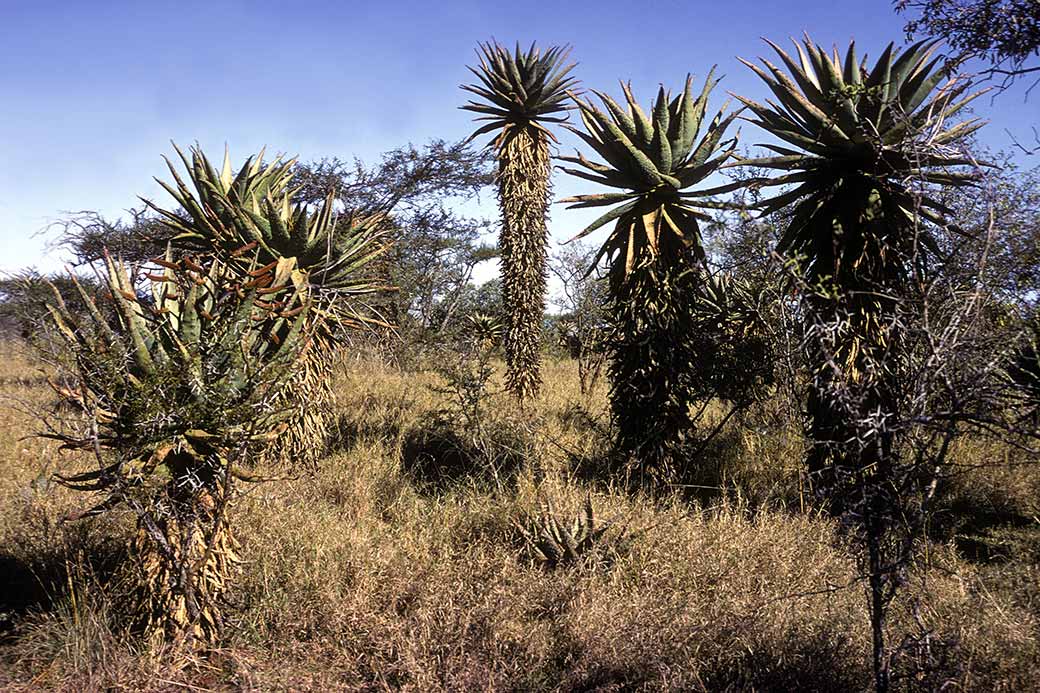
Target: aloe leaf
(660,147)
(604,219)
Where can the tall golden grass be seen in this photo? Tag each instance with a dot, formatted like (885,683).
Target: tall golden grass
(360,577)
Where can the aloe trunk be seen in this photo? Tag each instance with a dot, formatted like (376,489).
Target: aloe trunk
(524,193)
(310,394)
(649,363)
(187,559)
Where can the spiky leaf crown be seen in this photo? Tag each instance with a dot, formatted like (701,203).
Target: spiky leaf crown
(252,215)
(485,327)
(554,543)
(727,300)
(655,159)
(521,89)
(191,371)
(849,131)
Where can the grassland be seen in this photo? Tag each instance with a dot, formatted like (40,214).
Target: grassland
(364,576)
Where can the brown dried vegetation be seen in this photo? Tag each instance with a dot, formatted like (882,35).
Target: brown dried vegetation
(355,580)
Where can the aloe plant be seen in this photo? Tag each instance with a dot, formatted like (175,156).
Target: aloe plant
(521,93)
(554,543)
(865,151)
(658,162)
(176,395)
(485,328)
(861,149)
(250,217)
(253,214)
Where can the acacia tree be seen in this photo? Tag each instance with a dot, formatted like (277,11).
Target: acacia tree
(523,92)
(434,246)
(88,236)
(862,149)
(1004,32)
(582,325)
(1004,225)
(24,298)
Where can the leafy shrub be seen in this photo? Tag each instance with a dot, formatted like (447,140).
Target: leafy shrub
(468,438)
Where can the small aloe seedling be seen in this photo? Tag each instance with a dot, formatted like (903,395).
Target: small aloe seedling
(484,328)
(553,543)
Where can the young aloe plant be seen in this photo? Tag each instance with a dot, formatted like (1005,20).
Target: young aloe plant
(177,393)
(554,543)
(654,253)
(485,328)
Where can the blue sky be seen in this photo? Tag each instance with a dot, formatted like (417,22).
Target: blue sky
(92,92)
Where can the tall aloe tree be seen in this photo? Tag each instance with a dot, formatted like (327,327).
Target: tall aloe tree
(655,252)
(860,148)
(521,93)
(864,151)
(250,216)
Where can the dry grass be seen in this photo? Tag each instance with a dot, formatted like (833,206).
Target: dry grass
(359,577)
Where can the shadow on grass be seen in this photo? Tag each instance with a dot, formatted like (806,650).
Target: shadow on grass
(24,590)
(698,478)
(986,528)
(36,582)
(438,454)
(701,473)
(351,431)
(985,535)
(808,663)
(819,663)
(369,419)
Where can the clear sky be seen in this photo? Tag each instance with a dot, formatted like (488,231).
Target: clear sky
(93,91)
